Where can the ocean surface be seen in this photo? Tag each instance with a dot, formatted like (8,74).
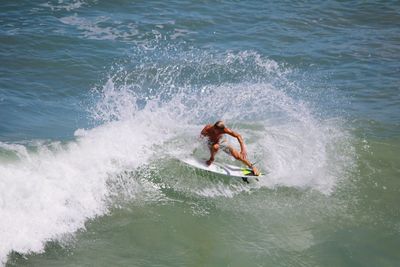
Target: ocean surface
(100,99)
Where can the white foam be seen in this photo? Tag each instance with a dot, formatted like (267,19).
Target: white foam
(54,191)
(64,5)
(180,33)
(91,28)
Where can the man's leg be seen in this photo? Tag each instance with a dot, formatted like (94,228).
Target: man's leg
(213,150)
(236,154)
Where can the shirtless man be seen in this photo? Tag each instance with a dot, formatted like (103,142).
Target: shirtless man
(214,134)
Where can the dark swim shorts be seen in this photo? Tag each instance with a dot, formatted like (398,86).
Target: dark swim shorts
(223,145)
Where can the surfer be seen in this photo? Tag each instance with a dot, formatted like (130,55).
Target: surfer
(215,142)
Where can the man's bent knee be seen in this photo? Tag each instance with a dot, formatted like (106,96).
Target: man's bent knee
(215,147)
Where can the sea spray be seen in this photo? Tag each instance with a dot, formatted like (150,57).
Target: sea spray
(285,135)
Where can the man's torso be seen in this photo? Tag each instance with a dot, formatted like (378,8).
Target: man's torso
(214,135)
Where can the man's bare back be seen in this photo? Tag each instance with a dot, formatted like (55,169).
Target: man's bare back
(214,134)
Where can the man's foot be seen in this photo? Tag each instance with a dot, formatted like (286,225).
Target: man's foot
(255,171)
(208,162)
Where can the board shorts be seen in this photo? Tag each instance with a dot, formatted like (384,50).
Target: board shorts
(223,145)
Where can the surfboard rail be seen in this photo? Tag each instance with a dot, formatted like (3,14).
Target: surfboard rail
(222,168)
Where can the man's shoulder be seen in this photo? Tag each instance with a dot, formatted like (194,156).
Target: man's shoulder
(206,129)
(229,131)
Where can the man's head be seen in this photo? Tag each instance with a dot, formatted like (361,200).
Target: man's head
(219,125)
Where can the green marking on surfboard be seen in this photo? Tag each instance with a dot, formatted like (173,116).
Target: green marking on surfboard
(249,172)
(246,171)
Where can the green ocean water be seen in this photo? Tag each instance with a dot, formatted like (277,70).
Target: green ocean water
(99,101)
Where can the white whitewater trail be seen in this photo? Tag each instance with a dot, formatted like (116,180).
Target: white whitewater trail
(54,190)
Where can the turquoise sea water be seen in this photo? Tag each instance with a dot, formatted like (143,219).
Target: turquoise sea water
(98,99)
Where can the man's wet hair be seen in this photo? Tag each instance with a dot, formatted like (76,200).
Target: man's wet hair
(220,125)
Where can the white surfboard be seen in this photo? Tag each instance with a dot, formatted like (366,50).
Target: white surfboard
(221,168)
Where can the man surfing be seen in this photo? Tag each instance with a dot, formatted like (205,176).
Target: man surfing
(214,134)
